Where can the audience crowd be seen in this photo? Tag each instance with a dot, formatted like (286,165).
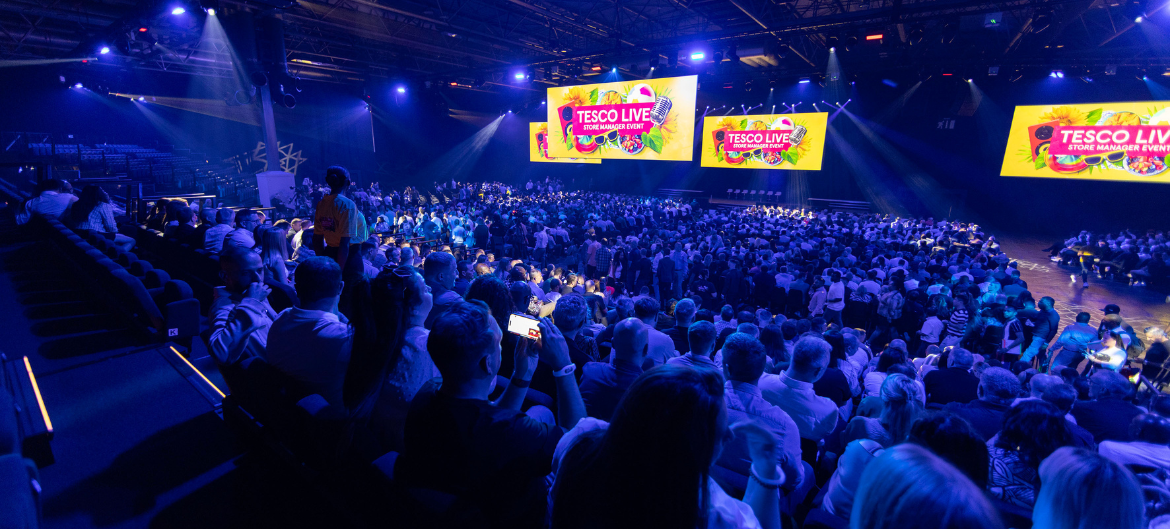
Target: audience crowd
(691,367)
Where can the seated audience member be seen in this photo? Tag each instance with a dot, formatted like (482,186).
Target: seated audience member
(569,316)
(661,346)
(206,221)
(652,468)
(184,224)
(998,387)
(492,456)
(743,364)
(701,338)
(440,272)
(953,439)
(240,314)
(1150,446)
(94,211)
(890,357)
(213,239)
(604,383)
(389,362)
(684,316)
(902,402)
(623,308)
(1108,415)
(274,252)
(1082,490)
(311,343)
(244,235)
(792,390)
(953,383)
(1063,396)
(54,198)
(841,490)
(1031,432)
(907,487)
(1036,387)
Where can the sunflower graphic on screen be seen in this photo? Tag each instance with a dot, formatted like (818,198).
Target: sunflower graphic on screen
(659,135)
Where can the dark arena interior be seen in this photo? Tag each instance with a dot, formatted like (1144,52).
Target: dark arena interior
(501,225)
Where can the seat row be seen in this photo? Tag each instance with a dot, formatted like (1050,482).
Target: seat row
(758,195)
(165,308)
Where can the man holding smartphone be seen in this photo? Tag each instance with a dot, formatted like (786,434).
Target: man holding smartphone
(492,455)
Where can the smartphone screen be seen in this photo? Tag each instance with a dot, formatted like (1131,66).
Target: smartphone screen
(524,325)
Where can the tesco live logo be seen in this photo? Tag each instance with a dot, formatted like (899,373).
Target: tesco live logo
(749,140)
(1133,139)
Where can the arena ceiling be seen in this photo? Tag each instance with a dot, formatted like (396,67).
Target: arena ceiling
(499,45)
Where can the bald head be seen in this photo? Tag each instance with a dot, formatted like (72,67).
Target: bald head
(1040,383)
(630,339)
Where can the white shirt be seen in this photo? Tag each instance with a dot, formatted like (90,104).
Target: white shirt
(836,291)
(815,416)
(1136,453)
(313,347)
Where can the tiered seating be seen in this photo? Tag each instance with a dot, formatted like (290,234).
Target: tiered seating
(197,267)
(163,307)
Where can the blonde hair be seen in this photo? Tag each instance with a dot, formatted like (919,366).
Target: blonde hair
(908,487)
(1084,490)
(904,400)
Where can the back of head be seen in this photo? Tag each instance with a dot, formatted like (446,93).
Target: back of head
(1085,490)
(1150,428)
(317,278)
(684,310)
(208,215)
(726,313)
(998,385)
(745,316)
(1062,395)
(701,336)
(460,342)
(492,291)
(337,177)
(437,263)
(1109,385)
(903,400)
(645,308)
(744,358)
(1034,429)
(952,438)
(624,307)
(185,214)
(225,216)
(960,357)
(907,487)
(1039,384)
(570,312)
(749,329)
(810,356)
(611,480)
(630,339)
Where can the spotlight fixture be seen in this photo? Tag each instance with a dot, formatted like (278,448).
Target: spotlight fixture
(211,11)
(832,50)
(401,90)
(78,85)
(143,29)
(698,56)
(1056,74)
(970,80)
(1138,19)
(104,50)
(543,102)
(140,98)
(178,11)
(804,80)
(519,76)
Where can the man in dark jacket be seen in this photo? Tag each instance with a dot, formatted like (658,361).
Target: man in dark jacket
(953,383)
(998,387)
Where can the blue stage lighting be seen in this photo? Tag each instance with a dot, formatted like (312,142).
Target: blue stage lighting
(698,56)
(178,11)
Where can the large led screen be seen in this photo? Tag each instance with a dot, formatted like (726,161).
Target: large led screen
(765,141)
(1124,142)
(648,119)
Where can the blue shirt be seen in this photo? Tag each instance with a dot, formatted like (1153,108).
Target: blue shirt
(746,401)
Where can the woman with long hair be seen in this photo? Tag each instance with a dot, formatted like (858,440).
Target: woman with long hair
(389,362)
(1085,490)
(903,400)
(274,253)
(778,356)
(93,211)
(1113,356)
(650,466)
